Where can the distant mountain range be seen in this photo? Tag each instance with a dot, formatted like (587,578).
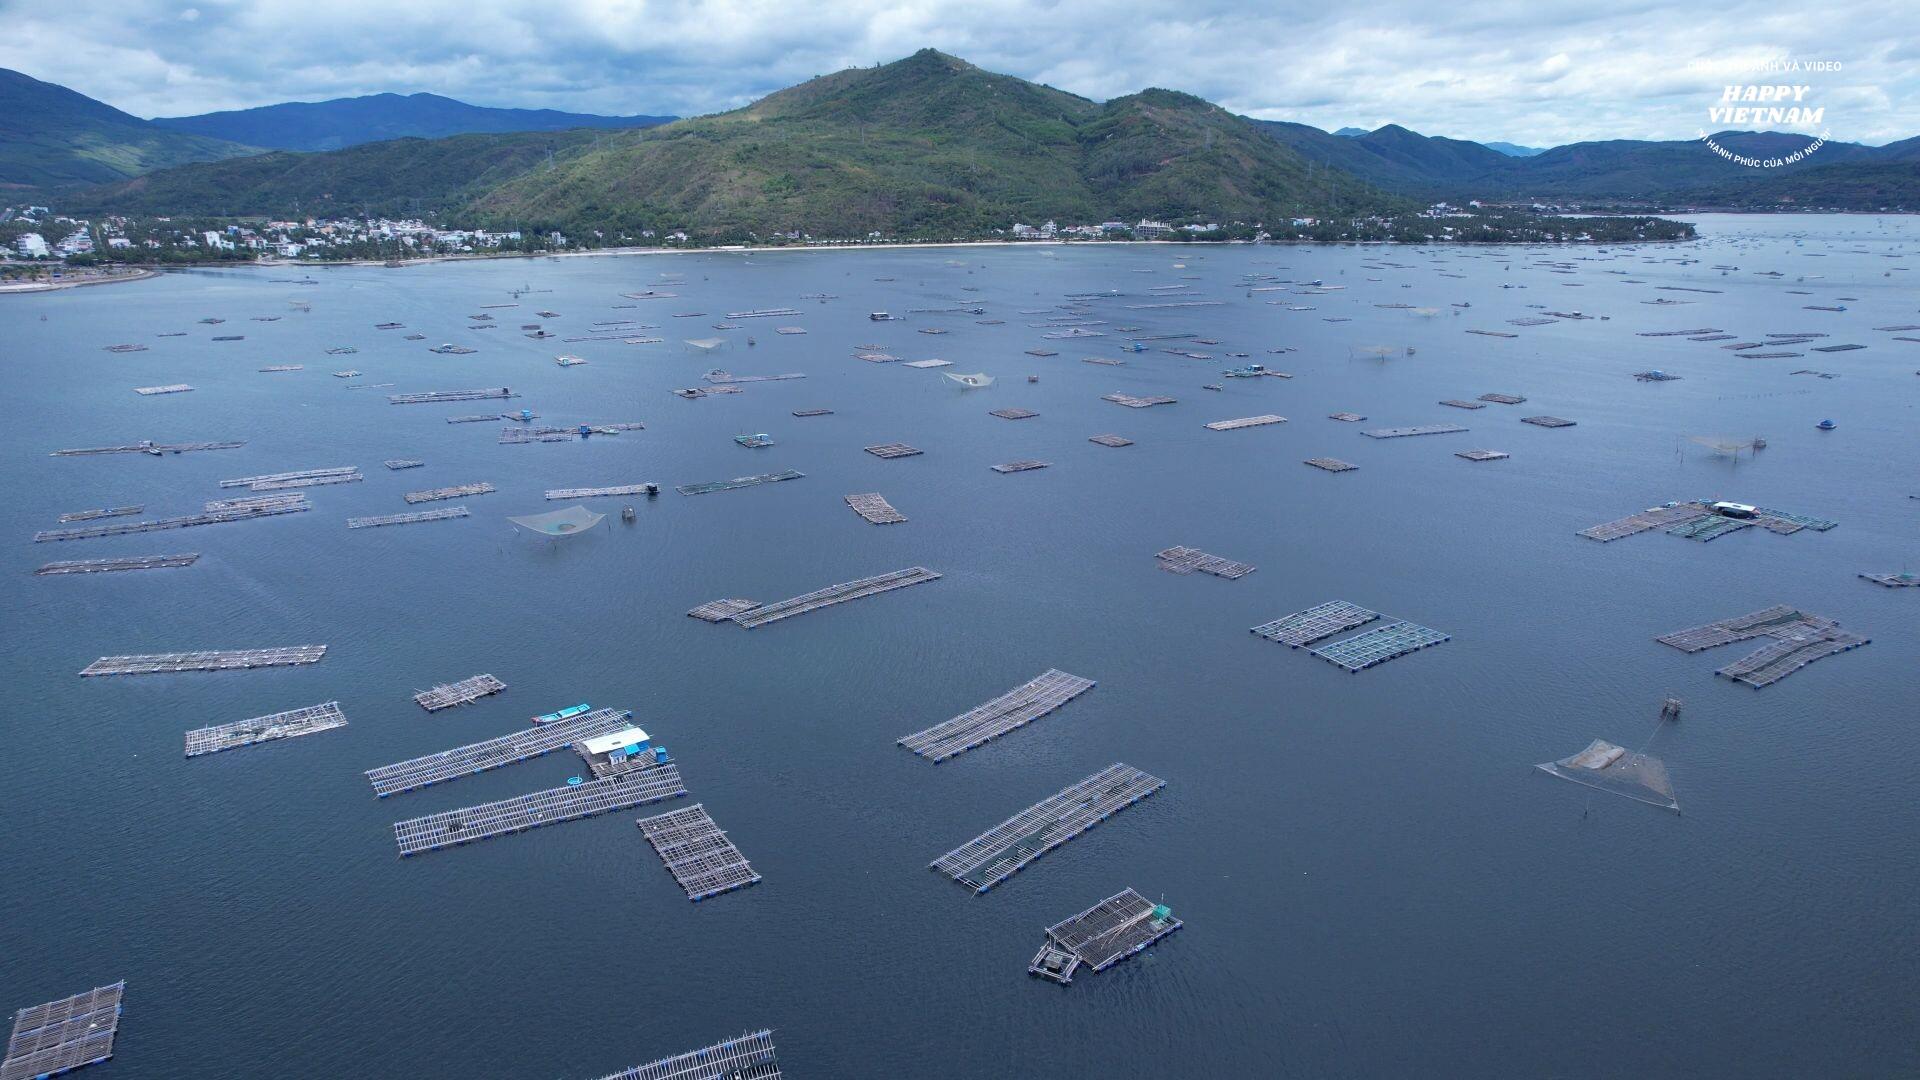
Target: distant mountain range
(53,137)
(1513,149)
(343,122)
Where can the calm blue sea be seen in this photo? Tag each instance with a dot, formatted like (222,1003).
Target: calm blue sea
(1374,879)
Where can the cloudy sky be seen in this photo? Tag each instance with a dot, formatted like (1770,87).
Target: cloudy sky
(1537,72)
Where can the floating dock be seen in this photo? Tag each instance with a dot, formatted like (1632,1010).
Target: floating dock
(1503,399)
(535,809)
(229,660)
(1012,413)
(697,852)
(300,474)
(1185,560)
(136,562)
(1101,936)
(1317,623)
(875,508)
(156,449)
(1458,404)
(1245,422)
(464,692)
(1379,645)
(1405,432)
(739,482)
(833,594)
(437,494)
(1331,464)
(892,450)
(1007,848)
(451,395)
(481,757)
(1110,440)
(95,515)
(1481,455)
(983,723)
(171,388)
(397,464)
(1779,620)
(749,1057)
(239,512)
(1132,402)
(1778,659)
(596,492)
(407,519)
(723,610)
(1020,466)
(281,725)
(1546,421)
(63,1035)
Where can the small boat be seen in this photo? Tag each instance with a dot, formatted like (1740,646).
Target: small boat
(1033,378)
(879,316)
(567,713)
(1826,425)
(626,513)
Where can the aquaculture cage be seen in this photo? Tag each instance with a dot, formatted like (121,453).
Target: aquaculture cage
(706,344)
(970,382)
(1618,771)
(568,522)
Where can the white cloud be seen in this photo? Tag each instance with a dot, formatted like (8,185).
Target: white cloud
(1540,73)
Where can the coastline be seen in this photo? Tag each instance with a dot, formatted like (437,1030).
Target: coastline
(138,273)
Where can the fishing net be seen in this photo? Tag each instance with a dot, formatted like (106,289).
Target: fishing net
(1618,771)
(574,519)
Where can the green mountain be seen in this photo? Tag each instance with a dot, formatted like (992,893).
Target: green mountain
(51,137)
(1514,149)
(343,122)
(925,146)
(1392,157)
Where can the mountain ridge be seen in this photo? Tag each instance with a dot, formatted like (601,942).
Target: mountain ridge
(342,122)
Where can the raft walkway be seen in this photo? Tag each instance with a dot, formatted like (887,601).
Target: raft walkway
(464,692)
(754,618)
(509,749)
(63,1035)
(1317,623)
(233,660)
(100,566)
(1379,645)
(1101,936)
(531,811)
(281,725)
(749,1057)
(697,852)
(1007,848)
(983,723)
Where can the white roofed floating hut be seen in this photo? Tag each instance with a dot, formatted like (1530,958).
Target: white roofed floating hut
(572,520)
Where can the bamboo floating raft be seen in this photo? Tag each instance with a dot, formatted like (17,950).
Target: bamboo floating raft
(1317,623)
(892,450)
(697,852)
(451,395)
(738,482)
(308,481)
(281,725)
(725,378)
(596,492)
(535,809)
(1481,455)
(151,447)
(983,723)
(1331,464)
(813,412)
(749,1057)
(1110,440)
(875,508)
(1405,432)
(95,515)
(1020,466)
(1657,517)
(722,610)
(1101,936)
(1012,413)
(101,566)
(754,618)
(1503,399)
(464,692)
(230,660)
(397,464)
(63,1035)
(1133,402)
(1351,418)
(437,494)
(1185,560)
(407,519)
(252,502)
(284,505)
(1379,645)
(302,474)
(171,388)
(509,749)
(1458,404)
(1007,848)
(1546,421)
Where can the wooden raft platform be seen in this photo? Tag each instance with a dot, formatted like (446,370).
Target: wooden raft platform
(1655,517)
(739,482)
(1547,421)
(1405,432)
(697,852)
(466,691)
(754,618)
(281,725)
(1185,560)
(101,566)
(156,449)
(437,494)
(1317,623)
(242,512)
(892,450)
(407,519)
(494,753)
(722,610)
(1481,455)
(1331,464)
(875,508)
(1779,620)
(63,1035)
(1891,581)
(749,1057)
(1778,659)
(1101,936)
(535,809)
(229,660)
(981,724)
(1110,440)
(171,388)
(95,515)
(451,395)
(1020,466)
(1245,422)
(1379,645)
(1007,848)
(596,492)
(300,474)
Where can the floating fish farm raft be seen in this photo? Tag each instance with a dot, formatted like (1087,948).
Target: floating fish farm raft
(101,566)
(63,1035)
(1503,399)
(1185,560)
(438,494)
(234,660)
(451,395)
(1020,466)
(1303,628)
(739,482)
(281,725)
(1799,640)
(494,753)
(402,463)
(1891,581)
(173,388)
(1012,414)
(1110,440)
(254,482)
(1133,402)
(1101,936)
(407,519)
(596,492)
(1696,520)
(1458,404)
(1379,645)
(1546,421)
(95,515)
(876,509)
(1481,455)
(697,852)
(459,693)
(722,610)
(1351,418)
(1405,432)
(216,514)
(749,1057)
(156,449)
(535,809)
(1245,422)
(813,412)
(892,450)
(1331,464)
(756,617)
(1014,709)
(1007,848)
